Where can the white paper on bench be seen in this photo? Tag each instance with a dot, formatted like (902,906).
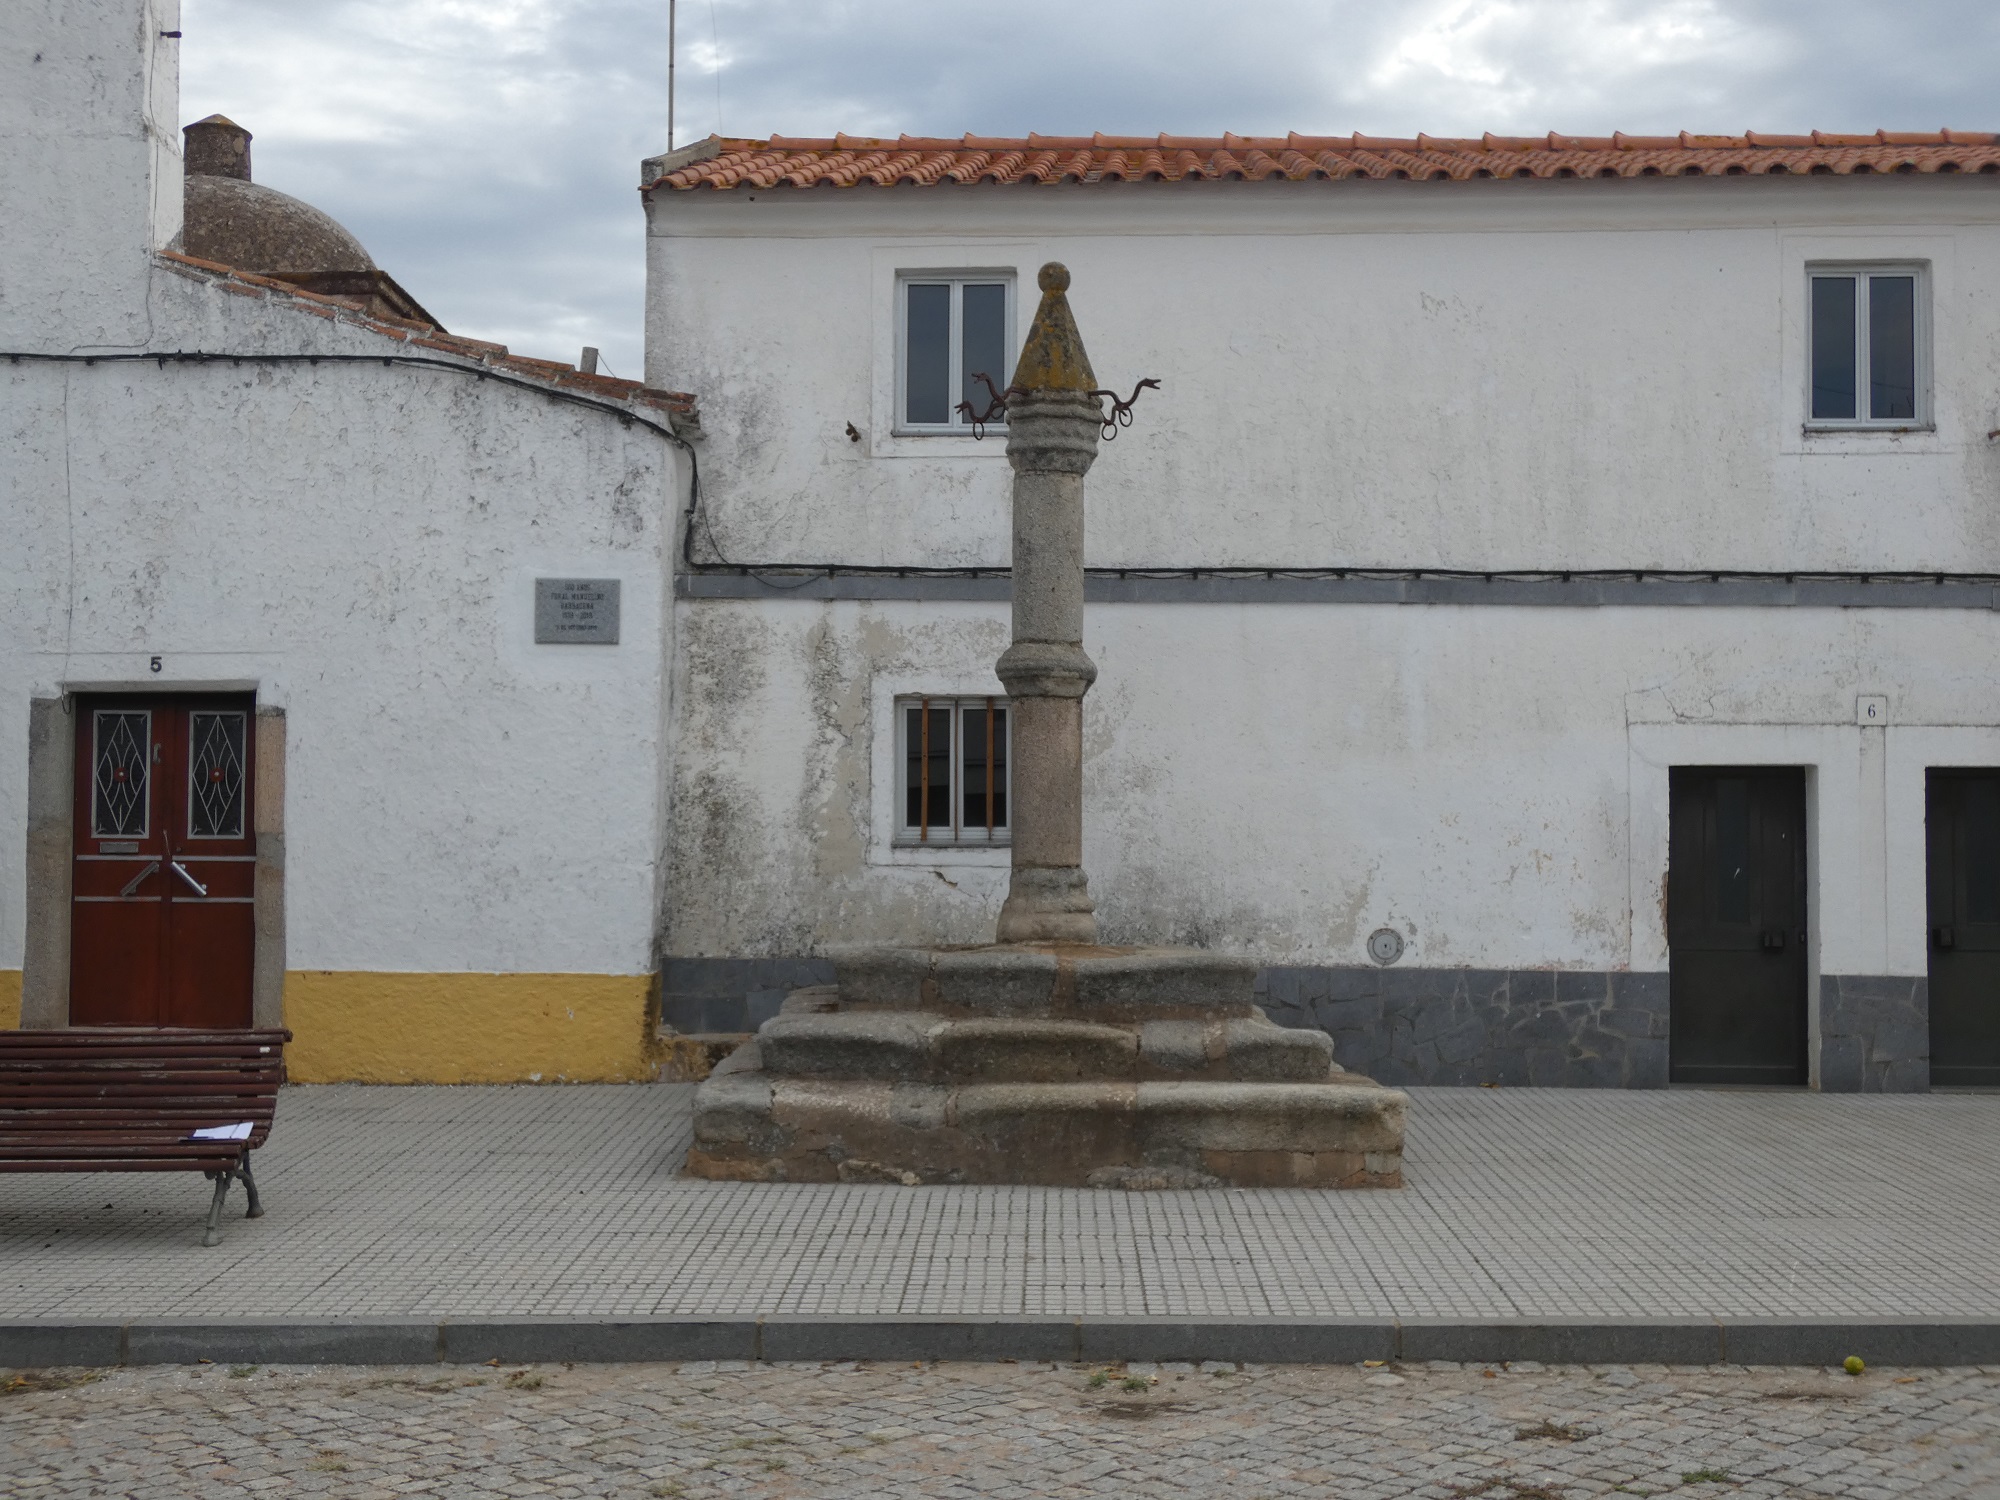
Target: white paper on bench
(237,1132)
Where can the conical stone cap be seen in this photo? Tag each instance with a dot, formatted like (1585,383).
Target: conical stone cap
(1053,357)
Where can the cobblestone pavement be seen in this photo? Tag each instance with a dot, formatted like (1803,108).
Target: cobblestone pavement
(1005,1431)
(567,1201)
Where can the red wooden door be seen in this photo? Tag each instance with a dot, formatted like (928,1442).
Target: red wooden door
(162,931)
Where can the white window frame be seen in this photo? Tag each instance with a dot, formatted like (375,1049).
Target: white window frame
(908,835)
(956,278)
(1860,271)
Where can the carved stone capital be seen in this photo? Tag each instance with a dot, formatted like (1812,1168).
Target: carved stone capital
(1045,669)
(1053,434)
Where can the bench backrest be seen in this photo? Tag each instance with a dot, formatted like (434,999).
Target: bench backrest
(139,1078)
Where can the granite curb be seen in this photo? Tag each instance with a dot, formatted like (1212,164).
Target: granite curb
(1091,1340)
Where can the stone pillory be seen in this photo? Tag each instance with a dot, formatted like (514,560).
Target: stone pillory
(1052,435)
(1044,1058)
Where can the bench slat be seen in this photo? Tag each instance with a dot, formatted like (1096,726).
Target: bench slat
(125,1099)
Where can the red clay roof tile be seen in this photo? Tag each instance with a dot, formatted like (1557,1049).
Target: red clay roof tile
(852,161)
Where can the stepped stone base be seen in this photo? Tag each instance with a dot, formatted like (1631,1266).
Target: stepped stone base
(1059,1066)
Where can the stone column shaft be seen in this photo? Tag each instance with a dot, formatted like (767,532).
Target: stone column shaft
(1052,437)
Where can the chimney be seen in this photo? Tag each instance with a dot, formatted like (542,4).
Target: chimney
(217,147)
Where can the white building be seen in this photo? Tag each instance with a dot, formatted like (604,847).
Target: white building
(1522,528)
(296,727)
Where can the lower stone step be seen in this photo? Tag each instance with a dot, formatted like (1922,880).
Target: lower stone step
(752,1125)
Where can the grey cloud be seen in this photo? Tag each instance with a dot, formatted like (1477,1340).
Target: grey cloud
(486,151)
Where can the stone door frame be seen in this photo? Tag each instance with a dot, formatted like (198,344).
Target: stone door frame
(52,728)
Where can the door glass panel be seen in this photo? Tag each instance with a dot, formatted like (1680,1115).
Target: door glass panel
(1732,849)
(118,774)
(927,354)
(1980,856)
(1833,382)
(215,775)
(1892,347)
(983,341)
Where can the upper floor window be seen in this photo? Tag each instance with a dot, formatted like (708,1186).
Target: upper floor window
(952,770)
(1869,358)
(951,328)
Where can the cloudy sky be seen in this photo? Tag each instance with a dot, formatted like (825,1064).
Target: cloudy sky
(486,151)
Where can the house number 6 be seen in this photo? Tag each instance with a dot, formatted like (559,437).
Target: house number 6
(155,664)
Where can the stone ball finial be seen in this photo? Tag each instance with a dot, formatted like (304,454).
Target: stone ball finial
(1053,277)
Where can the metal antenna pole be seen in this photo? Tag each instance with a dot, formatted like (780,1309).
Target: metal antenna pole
(673,7)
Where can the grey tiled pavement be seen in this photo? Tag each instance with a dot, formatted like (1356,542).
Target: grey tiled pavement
(565,1200)
(1005,1432)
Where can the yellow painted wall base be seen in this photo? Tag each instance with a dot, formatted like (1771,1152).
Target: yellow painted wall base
(352,1027)
(10,999)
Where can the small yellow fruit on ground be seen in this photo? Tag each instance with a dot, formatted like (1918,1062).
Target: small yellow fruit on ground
(1852,1364)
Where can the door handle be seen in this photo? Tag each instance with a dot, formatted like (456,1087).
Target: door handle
(1941,936)
(1774,938)
(133,884)
(181,870)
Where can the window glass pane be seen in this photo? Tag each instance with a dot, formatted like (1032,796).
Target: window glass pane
(927,354)
(1732,849)
(1981,853)
(1892,347)
(983,341)
(985,769)
(927,769)
(1833,347)
(118,775)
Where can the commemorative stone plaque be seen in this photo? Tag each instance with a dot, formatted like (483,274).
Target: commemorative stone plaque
(576,611)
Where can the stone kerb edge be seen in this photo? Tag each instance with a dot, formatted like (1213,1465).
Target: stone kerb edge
(1090,1339)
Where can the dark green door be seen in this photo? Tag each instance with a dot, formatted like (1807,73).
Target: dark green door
(1962,821)
(1736,924)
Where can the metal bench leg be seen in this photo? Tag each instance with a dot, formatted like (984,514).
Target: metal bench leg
(250,1187)
(213,1235)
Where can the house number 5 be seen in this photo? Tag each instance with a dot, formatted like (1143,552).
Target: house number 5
(155,664)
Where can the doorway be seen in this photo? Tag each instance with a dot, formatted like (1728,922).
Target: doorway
(1962,832)
(162,916)
(1736,925)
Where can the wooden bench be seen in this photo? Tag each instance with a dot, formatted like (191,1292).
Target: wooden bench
(128,1099)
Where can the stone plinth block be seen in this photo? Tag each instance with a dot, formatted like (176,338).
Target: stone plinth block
(1081,981)
(753,1126)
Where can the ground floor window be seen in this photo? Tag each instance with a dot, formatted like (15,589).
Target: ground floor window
(952,761)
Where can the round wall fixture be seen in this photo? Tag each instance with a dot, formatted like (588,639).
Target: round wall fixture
(1385,945)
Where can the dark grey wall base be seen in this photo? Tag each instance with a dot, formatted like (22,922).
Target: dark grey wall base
(732,994)
(1688,1341)
(1522,1028)
(1875,1034)
(1539,1028)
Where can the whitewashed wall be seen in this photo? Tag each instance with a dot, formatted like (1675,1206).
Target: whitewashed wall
(1280,780)
(90,168)
(1481,374)
(358,543)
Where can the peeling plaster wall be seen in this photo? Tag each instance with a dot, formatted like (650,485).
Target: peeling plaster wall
(1280,780)
(1484,375)
(359,543)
